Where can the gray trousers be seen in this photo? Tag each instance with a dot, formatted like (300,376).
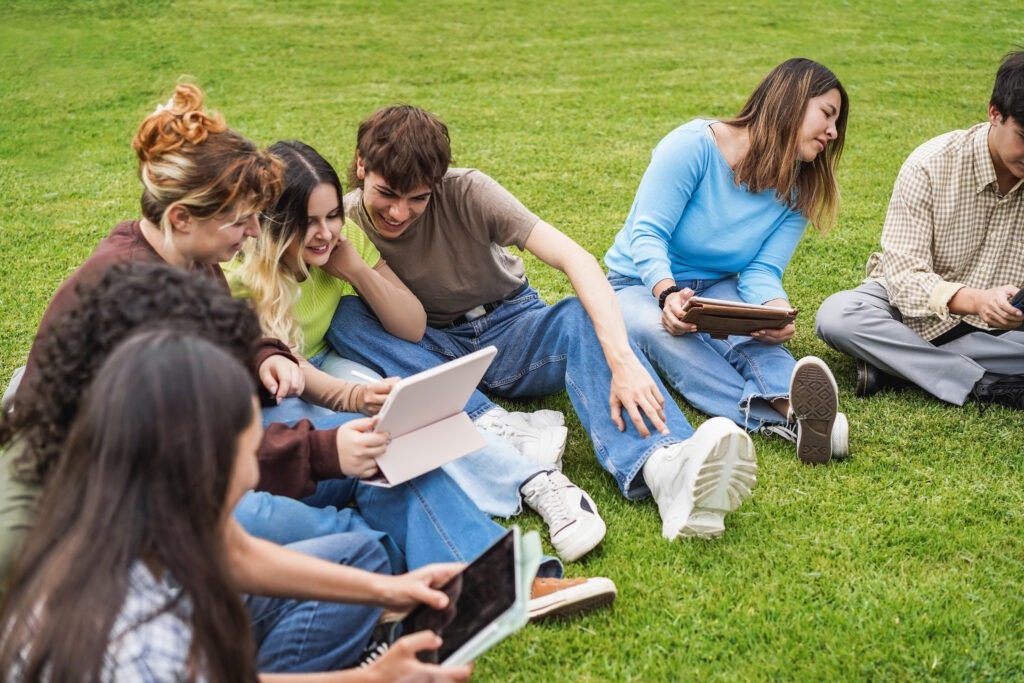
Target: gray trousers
(862,323)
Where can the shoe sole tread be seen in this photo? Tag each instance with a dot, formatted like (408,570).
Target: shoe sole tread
(814,400)
(727,475)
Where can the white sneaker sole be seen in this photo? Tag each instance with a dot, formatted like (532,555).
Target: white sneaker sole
(728,475)
(725,477)
(814,401)
(841,437)
(595,593)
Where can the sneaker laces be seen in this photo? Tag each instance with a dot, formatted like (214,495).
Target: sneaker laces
(787,431)
(549,500)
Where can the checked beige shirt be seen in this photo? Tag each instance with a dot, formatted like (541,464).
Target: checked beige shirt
(947,228)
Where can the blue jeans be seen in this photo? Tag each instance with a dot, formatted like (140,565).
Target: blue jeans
(303,635)
(735,377)
(292,409)
(490,476)
(425,520)
(542,349)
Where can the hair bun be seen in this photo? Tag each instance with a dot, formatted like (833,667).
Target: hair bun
(180,121)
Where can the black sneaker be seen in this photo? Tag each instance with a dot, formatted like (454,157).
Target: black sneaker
(1004,390)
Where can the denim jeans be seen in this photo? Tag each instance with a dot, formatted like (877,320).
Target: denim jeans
(304,635)
(735,377)
(292,409)
(542,349)
(425,520)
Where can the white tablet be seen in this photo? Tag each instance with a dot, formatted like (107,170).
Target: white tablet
(424,416)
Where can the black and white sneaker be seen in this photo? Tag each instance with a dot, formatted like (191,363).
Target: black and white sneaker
(570,513)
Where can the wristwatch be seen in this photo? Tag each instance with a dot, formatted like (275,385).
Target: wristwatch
(664,295)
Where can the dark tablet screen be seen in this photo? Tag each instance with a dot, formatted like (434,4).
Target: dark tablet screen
(481,593)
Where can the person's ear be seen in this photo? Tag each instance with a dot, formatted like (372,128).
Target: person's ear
(360,166)
(994,116)
(181,219)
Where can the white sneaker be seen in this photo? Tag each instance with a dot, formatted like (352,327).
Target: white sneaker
(571,515)
(544,418)
(698,481)
(814,404)
(840,434)
(543,445)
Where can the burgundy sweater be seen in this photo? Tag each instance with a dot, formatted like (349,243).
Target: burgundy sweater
(292,459)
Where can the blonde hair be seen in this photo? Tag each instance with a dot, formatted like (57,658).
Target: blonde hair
(188,157)
(772,116)
(272,284)
(272,288)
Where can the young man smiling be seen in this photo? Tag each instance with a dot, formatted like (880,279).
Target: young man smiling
(935,308)
(445,232)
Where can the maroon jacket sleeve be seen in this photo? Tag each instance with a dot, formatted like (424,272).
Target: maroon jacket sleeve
(293,459)
(265,348)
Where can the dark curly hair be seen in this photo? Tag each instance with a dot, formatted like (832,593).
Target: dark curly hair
(125,299)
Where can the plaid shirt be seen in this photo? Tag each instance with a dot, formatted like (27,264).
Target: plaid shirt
(151,636)
(947,228)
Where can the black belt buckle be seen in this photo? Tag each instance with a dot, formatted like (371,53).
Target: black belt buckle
(488,307)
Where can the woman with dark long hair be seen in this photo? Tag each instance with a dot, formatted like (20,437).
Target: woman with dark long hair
(718,214)
(287,587)
(125,575)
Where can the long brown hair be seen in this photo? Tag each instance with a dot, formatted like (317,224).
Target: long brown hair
(772,117)
(144,477)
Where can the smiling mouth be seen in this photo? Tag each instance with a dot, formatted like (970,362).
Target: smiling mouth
(391,226)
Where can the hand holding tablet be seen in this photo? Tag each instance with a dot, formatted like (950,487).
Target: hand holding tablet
(721,318)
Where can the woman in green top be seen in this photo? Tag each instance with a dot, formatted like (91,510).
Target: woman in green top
(305,260)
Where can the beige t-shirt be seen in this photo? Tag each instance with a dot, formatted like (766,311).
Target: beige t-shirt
(453,257)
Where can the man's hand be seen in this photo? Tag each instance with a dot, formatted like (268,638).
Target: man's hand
(672,314)
(991,305)
(780,335)
(359,447)
(634,391)
(371,397)
(281,377)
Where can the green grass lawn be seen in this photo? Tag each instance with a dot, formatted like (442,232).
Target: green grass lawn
(903,563)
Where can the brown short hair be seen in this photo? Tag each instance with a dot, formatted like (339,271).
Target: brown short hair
(407,146)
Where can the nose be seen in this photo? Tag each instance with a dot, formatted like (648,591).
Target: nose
(323,231)
(252,226)
(831,131)
(398,211)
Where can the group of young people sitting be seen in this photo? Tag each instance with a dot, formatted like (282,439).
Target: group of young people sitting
(181,491)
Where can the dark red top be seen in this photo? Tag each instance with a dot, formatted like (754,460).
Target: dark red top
(292,459)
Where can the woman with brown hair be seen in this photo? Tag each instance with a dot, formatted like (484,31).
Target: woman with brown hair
(718,214)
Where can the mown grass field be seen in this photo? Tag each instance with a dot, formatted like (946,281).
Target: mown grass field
(903,563)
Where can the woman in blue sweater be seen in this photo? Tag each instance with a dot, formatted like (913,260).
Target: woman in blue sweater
(718,214)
